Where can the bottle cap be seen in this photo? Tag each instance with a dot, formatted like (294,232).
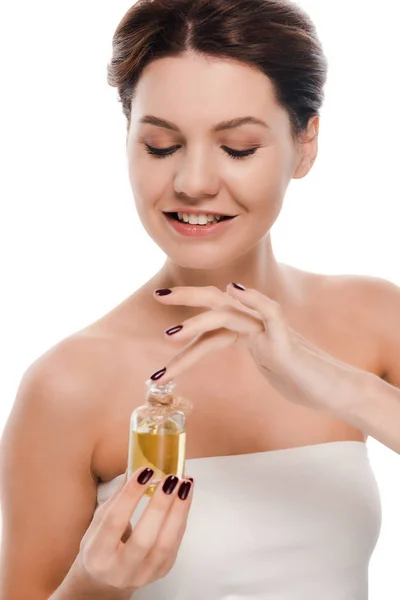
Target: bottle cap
(160,389)
(162,401)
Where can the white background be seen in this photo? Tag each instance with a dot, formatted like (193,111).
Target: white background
(72,246)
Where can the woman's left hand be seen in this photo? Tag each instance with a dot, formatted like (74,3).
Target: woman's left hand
(299,370)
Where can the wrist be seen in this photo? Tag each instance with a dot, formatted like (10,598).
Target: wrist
(361,400)
(81,585)
(330,385)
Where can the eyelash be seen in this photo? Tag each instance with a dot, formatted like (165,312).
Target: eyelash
(164,152)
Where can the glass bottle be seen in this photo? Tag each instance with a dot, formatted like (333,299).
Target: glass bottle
(157,436)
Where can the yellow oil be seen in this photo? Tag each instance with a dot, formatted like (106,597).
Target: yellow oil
(162,449)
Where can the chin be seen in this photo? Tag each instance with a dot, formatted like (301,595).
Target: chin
(203,258)
(206,254)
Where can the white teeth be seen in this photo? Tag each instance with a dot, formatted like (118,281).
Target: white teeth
(202,219)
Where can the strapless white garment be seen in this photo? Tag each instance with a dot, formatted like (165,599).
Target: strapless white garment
(293,524)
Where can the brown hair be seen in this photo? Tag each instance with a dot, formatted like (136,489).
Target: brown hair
(276,37)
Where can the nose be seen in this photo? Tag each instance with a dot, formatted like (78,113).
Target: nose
(196,176)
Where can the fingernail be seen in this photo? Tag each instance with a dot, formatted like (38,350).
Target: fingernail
(238,286)
(173,330)
(163,292)
(184,490)
(191,479)
(170,484)
(145,475)
(158,374)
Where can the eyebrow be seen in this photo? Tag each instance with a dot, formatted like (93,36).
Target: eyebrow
(230,124)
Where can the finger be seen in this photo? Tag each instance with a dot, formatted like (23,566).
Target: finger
(207,296)
(175,523)
(242,321)
(115,519)
(99,513)
(200,347)
(161,558)
(151,520)
(269,310)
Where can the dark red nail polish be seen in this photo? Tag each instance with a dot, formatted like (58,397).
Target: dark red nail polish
(158,374)
(191,479)
(170,484)
(173,330)
(238,286)
(163,292)
(184,490)
(145,475)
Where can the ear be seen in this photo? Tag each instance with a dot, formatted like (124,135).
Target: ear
(308,149)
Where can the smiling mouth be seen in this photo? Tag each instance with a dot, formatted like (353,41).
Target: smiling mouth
(203,222)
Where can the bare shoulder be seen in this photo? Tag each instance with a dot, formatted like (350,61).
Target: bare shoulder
(364,311)
(372,299)
(374,305)
(93,358)
(73,381)
(74,367)
(89,378)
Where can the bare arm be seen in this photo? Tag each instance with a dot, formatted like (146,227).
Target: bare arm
(48,494)
(53,545)
(377,410)
(367,401)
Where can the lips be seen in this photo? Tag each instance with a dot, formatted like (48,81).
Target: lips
(192,230)
(209,216)
(190,211)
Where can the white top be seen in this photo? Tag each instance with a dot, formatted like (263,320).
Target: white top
(293,524)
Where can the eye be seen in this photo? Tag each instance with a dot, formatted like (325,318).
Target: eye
(240,153)
(160,152)
(164,152)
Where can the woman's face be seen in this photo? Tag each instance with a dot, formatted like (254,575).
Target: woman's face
(194,94)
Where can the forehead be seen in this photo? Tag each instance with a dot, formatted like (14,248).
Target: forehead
(196,89)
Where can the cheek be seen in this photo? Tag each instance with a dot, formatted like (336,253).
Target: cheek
(261,187)
(146,188)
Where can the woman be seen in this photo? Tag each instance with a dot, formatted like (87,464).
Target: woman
(287,376)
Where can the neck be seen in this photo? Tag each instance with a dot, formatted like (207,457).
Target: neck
(258,269)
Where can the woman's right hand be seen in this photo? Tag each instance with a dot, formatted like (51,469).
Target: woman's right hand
(114,554)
